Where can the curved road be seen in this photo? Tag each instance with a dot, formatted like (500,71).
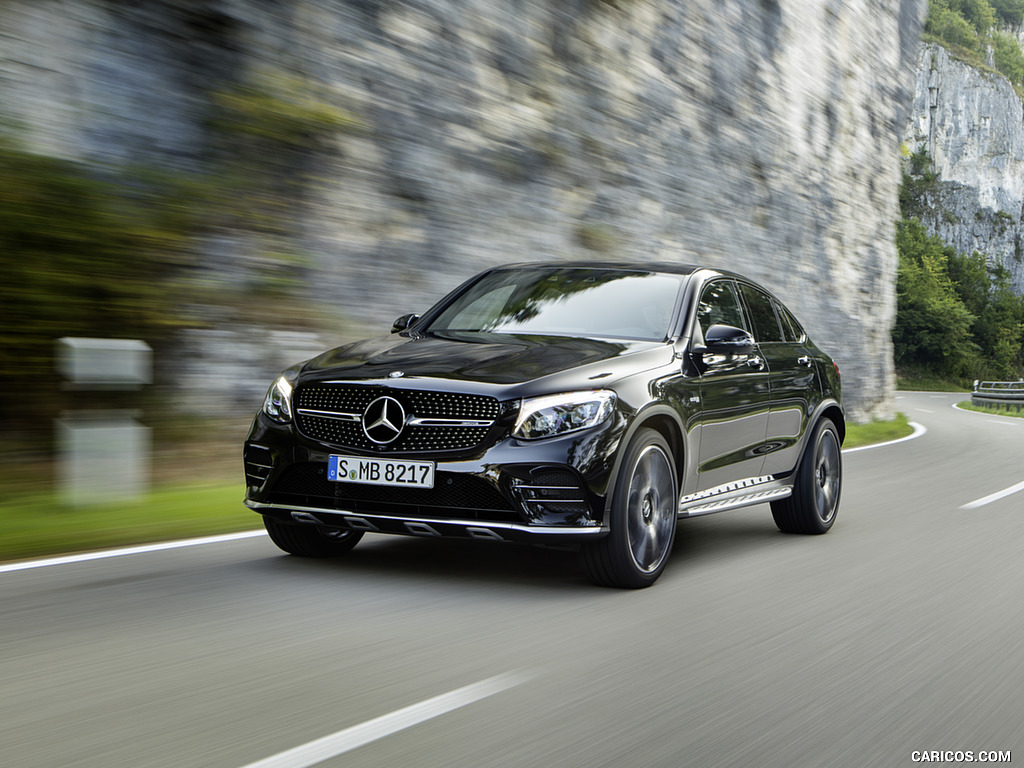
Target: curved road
(900,631)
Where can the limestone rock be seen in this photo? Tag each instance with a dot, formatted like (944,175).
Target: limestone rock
(972,124)
(761,136)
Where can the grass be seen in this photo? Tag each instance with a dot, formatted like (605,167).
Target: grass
(877,432)
(967,405)
(40,524)
(928,383)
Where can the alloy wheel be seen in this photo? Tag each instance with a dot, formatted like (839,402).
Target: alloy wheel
(650,509)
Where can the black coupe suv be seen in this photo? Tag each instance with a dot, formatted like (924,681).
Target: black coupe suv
(569,403)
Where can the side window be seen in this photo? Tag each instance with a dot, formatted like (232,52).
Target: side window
(718,306)
(790,326)
(762,314)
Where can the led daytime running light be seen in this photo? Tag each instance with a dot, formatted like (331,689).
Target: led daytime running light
(278,402)
(553,415)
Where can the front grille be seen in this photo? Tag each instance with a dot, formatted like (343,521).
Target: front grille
(329,430)
(345,404)
(451,405)
(453,495)
(444,438)
(335,397)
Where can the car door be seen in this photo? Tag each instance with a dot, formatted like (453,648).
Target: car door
(790,373)
(734,391)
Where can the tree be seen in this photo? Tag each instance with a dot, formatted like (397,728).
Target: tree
(933,327)
(1008,57)
(1010,11)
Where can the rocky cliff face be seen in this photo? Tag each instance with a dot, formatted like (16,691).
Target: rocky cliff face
(972,124)
(756,135)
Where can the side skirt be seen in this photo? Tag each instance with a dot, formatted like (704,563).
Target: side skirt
(744,493)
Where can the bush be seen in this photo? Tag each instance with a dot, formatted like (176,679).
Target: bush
(933,327)
(918,181)
(1010,11)
(1008,57)
(953,29)
(979,13)
(970,27)
(956,316)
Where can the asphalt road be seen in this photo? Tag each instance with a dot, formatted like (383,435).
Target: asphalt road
(902,630)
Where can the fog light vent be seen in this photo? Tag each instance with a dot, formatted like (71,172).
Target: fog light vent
(550,493)
(258,463)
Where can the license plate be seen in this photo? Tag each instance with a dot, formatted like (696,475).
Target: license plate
(394,472)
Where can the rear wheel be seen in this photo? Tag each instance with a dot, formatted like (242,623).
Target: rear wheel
(815,501)
(643,518)
(311,540)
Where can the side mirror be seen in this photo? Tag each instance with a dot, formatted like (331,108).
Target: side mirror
(726,338)
(404,322)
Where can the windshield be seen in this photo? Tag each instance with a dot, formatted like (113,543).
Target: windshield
(611,303)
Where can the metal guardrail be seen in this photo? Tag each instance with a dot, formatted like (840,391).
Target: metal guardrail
(999,394)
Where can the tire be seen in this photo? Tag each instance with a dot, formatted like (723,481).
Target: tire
(643,519)
(311,540)
(815,501)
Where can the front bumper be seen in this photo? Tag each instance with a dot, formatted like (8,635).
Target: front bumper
(411,525)
(513,490)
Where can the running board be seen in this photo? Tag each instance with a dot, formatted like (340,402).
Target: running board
(733,496)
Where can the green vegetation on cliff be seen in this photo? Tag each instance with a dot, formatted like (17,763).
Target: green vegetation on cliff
(975,31)
(957,317)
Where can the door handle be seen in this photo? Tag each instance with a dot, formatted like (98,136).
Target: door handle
(805,361)
(756,363)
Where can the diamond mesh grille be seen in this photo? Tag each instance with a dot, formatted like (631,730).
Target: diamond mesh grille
(354,398)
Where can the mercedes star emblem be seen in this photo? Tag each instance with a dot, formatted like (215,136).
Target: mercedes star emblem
(396,374)
(383,420)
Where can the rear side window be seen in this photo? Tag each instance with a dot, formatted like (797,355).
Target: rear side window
(762,315)
(718,306)
(790,326)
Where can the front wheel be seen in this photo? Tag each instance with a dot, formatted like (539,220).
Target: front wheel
(311,540)
(815,501)
(643,518)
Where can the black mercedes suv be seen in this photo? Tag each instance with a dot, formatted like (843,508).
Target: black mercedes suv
(590,405)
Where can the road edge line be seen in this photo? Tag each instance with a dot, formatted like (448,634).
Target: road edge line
(103,554)
(919,429)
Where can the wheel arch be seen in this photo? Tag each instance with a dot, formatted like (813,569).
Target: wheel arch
(663,420)
(832,410)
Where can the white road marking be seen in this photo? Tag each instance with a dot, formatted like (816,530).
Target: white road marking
(82,557)
(919,430)
(924,410)
(345,741)
(994,497)
(1004,423)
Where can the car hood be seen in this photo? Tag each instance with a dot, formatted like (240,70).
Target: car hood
(500,359)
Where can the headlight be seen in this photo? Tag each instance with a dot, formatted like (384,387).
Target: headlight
(278,402)
(560,414)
